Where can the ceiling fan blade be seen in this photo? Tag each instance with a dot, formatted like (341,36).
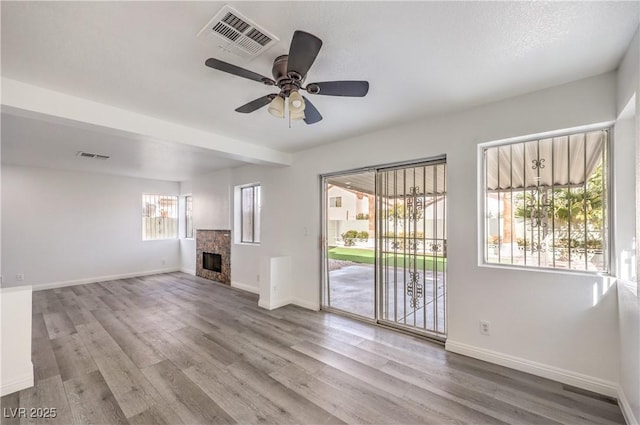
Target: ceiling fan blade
(302,52)
(236,70)
(340,88)
(256,104)
(311,114)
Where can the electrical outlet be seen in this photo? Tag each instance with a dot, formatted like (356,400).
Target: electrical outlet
(257,278)
(485,327)
(20,277)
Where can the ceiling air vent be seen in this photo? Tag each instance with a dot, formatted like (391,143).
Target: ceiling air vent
(237,34)
(92,155)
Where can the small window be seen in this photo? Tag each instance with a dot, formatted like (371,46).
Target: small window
(250,214)
(335,201)
(188,216)
(159,217)
(546,203)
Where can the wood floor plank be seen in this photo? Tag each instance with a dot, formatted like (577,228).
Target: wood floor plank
(91,302)
(58,324)
(134,392)
(438,406)
(10,404)
(150,416)
(201,341)
(555,411)
(182,355)
(185,397)
(72,356)
(44,360)
(427,364)
(50,394)
(286,400)
(44,403)
(328,397)
(140,353)
(113,302)
(79,315)
(92,402)
(180,349)
(46,302)
(479,400)
(195,321)
(245,350)
(38,327)
(236,398)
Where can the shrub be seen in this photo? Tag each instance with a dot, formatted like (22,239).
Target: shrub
(350,234)
(349,237)
(363,236)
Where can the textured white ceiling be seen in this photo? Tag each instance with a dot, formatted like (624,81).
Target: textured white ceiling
(420,57)
(42,143)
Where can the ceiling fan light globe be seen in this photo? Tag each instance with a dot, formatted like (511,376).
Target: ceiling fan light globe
(297,116)
(276,107)
(296,102)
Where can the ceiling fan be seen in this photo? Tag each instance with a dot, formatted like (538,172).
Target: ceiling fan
(289,73)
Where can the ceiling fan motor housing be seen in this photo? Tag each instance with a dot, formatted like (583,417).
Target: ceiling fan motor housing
(286,81)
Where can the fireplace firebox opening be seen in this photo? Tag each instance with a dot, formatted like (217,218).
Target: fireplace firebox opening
(211,261)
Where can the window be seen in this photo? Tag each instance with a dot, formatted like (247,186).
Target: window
(188,216)
(159,217)
(250,214)
(546,202)
(335,201)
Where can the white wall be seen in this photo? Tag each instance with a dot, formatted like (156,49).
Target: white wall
(61,227)
(547,320)
(246,258)
(211,210)
(16,369)
(187,246)
(211,195)
(628,142)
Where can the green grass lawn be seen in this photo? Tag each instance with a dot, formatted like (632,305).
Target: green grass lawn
(366,256)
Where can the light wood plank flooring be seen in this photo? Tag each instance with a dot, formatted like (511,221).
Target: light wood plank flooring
(173,348)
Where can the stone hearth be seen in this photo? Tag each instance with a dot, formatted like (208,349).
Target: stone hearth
(214,242)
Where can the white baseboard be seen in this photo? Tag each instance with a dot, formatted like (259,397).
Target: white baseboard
(245,287)
(192,272)
(627,412)
(275,304)
(305,304)
(84,281)
(18,383)
(295,301)
(568,377)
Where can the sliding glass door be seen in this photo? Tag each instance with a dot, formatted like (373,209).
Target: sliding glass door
(385,245)
(349,251)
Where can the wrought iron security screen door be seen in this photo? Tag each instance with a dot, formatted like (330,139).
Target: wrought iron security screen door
(412,247)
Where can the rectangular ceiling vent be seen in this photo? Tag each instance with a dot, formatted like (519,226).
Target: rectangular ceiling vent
(237,34)
(92,155)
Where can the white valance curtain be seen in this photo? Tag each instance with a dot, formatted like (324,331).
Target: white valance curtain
(559,161)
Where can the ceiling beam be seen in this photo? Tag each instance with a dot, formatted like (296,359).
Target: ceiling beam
(29,100)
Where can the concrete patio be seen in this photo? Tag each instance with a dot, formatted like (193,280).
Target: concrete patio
(352,290)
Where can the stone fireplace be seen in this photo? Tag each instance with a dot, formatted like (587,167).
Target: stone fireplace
(213,255)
